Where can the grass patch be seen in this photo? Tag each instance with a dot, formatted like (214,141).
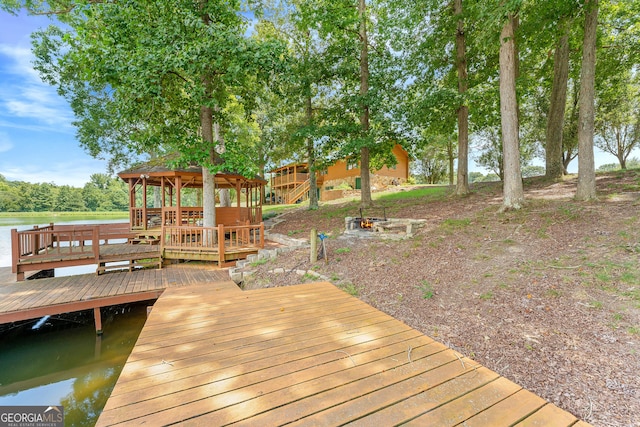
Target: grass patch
(417,193)
(486,296)
(427,290)
(343,250)
(349,288)
(553,293)
(269,211)
(451,225)
(259,262)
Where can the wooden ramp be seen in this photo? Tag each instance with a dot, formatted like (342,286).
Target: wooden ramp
(305,355)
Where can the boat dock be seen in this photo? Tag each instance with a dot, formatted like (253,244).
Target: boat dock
(31,299)
(308,355)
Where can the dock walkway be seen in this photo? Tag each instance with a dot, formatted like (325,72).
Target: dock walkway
(31,299)
(308,355)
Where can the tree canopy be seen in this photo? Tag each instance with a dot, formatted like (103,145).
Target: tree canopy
(244,86)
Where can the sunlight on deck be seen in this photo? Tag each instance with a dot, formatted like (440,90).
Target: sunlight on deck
(308,355)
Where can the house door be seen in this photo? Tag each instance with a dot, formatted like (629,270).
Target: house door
(358,183)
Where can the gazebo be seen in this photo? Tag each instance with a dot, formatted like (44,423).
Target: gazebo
(165,206)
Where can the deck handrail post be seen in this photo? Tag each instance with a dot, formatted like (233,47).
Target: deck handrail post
(15,250)
(96,242)
(220,244)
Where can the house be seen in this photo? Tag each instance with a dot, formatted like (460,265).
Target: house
(290,183)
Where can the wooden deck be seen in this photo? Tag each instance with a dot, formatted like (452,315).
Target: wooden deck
(50,247)
(35,298)
(307,355)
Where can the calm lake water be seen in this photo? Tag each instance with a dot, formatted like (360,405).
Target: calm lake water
(59,360)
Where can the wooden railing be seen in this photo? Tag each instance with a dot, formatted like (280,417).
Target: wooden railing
(140,221)
(81,241)
(42,243)
(218,240)
(168,216)
(297,193)
(288,179)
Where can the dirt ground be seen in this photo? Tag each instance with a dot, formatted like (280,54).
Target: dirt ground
(547,296)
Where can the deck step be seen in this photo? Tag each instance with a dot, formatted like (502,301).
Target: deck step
(132,264)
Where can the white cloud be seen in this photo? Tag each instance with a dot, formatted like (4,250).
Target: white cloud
(35,128)
(5,142)
(20,62)
(75,174)
(24,95)
(39,106)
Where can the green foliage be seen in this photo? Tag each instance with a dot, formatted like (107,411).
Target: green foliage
(102,193)
(432,160)
(343,250)
(152,77)
(349,288)
(452,224)
(258,262)
(421,194)
(426,289)
(486,296)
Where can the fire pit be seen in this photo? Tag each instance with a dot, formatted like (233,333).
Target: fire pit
(362,222)
(393,228)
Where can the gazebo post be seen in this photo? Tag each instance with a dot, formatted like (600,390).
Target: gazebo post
(132,202)
(239,200)
(178,203)
(144,203)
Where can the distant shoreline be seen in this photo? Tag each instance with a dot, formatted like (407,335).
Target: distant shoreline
(110,214)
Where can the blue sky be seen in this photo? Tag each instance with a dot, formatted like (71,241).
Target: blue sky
(37,140)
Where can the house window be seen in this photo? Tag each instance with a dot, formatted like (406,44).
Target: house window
(352,164)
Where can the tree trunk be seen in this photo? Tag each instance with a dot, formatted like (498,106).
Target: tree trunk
(225,193)
(365,189)
(557,104)
(513,190)
(311,155)
(462,186)
(208,183)
(451,157)
(570,136)
(586,117)
(206,127)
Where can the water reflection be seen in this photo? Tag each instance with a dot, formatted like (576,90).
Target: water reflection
(65,363)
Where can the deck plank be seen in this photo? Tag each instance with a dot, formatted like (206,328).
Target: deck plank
(306,355)
(547,415)
(509,411)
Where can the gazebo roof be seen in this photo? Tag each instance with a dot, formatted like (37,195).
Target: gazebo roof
(156,169)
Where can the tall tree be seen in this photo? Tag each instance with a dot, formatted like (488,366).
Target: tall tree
(462,186)
(618,121)
(586,189)
(365,191)
(513,190)
(166,69)
(555,122)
